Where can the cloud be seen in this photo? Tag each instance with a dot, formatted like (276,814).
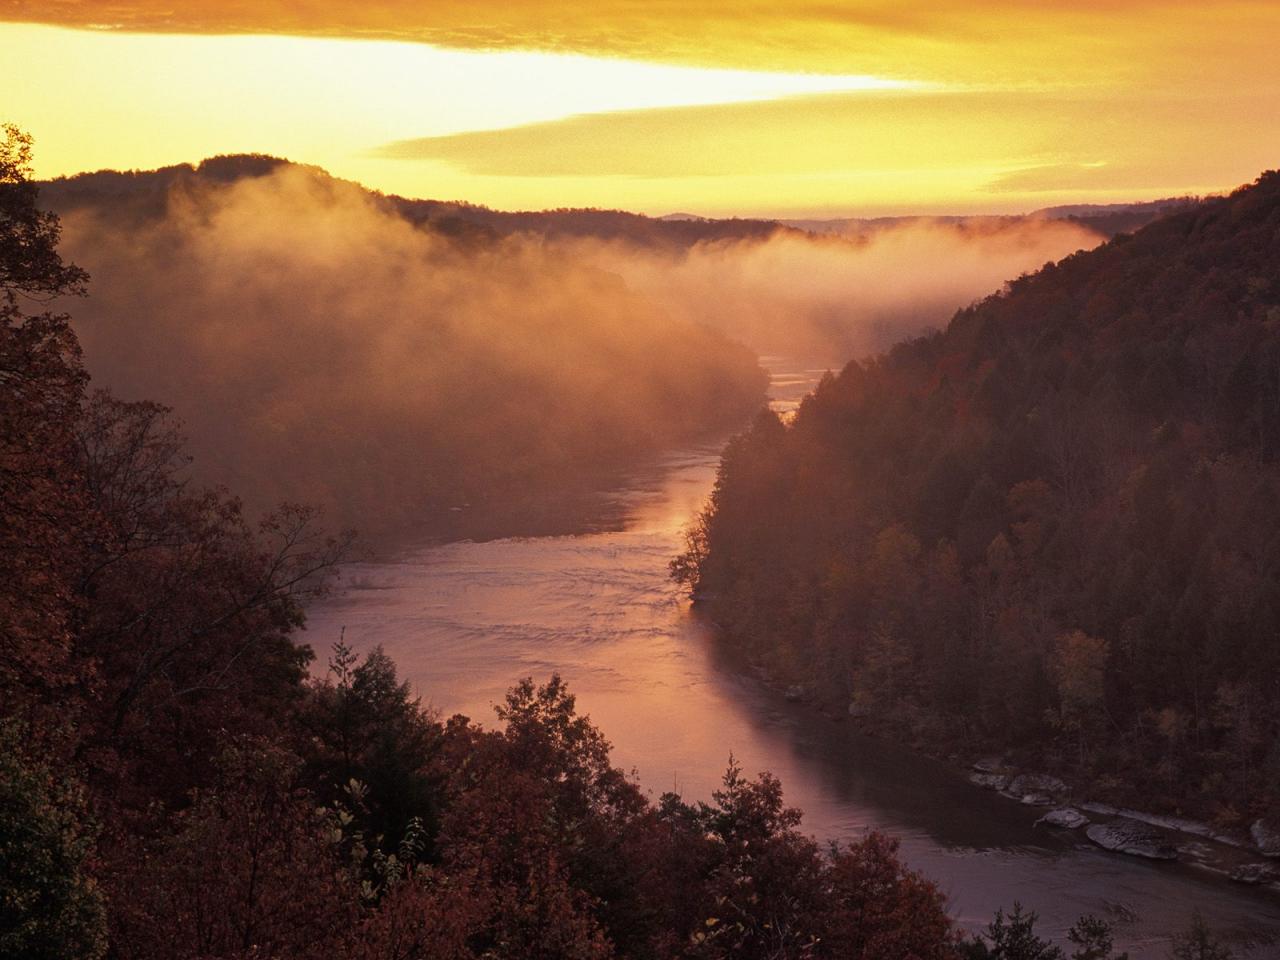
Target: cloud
(1003,41)
(836,132)
(1177,91)
(965,142)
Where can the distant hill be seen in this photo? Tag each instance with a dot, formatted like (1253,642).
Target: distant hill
(149,188)
(1052,528)
(635,228)
(1107,219)
(813,297)
(145,193)
(1154,208)
(217,285)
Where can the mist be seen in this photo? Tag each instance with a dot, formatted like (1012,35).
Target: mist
(829,299)
(318,346)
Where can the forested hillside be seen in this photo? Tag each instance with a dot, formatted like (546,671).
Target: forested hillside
(174,784)
(146,193)
(177,784)
(1052,528)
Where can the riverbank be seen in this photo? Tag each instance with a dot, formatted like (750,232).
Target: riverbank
(467,618)
(1247,854)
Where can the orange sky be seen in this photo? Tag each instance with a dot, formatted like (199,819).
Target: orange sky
(717,107)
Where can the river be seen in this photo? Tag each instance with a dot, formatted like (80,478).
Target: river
(464,620)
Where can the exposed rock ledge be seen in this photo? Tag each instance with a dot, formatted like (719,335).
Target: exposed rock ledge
(1030,788)
(1172,824)
(1255,873)
(989,781)
(1266,834)
(1125,831)
(1037,789)
(1065,817)
(1133,837)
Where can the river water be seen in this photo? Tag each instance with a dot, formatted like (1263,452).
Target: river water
(465,620)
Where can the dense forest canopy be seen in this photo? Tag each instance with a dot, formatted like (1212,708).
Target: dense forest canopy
(1051,528)
(174,784)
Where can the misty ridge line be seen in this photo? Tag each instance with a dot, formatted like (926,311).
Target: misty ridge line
(320,348)
(394,361)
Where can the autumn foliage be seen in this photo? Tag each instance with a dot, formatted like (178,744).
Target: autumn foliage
(1050,529)
(175,785)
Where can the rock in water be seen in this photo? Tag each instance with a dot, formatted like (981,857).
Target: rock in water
(1254,873)
(1064,817)
(990,765)
(1035,783)
(1266,834)
(991,781)
(1133,837)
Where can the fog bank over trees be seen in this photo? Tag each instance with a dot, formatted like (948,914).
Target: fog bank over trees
(321,348)
(832,298)
(392,360)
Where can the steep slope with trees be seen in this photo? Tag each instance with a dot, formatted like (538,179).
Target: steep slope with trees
(1051,528)
(174,784)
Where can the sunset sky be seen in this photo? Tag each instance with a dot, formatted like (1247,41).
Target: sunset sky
(705,106)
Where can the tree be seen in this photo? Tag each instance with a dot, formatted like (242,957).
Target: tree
(41,385)
(1091,937)
(1236,711)
(186,611)
(365,725)
(250,869)
(1013,937)
(882,909)
(1079,671)
(685,568)
(765,880)
(29,263)
(50,907)
(1198,942)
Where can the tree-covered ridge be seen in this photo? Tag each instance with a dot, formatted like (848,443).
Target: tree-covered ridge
(174,784)
(1053,526)
(144,194)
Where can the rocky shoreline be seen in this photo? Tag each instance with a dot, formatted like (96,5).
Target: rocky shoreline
(1251,857)
(1136,833)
